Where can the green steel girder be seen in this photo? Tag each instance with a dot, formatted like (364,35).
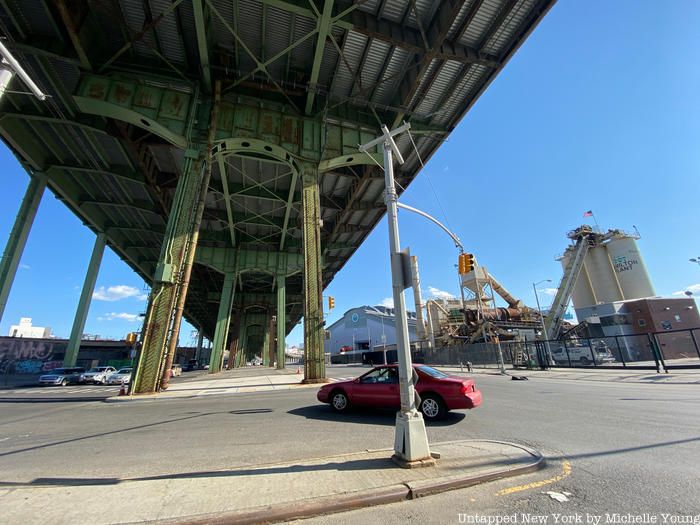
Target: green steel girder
(114,171)
(264,300)
(81,313)
(164,112)
(226,259)
(18,236)
(201,24)
(323,25)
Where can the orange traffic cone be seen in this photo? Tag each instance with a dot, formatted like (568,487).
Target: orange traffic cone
(122,390)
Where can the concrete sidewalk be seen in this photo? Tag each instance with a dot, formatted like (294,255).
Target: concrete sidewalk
(678,377)
(262,493)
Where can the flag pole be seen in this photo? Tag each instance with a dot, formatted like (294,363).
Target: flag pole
(596,223)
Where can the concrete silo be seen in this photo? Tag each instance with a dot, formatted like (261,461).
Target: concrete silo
(602,275)
(629,267)
(583,294)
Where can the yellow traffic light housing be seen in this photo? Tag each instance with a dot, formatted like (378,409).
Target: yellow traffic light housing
(470,262)
(331,302)
(467,263)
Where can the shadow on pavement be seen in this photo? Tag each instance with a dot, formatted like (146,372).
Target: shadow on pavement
(366,416)
(72,399)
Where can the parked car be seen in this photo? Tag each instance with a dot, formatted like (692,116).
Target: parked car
(123,375)
(379,388)
(581,355)
(191,365)
(62,376)
(97,374)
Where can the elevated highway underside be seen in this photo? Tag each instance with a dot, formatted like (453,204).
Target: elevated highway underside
(212,144)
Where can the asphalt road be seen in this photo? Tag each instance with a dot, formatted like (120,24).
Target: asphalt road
(615,448)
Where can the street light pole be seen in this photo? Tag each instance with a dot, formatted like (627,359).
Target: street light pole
(545,337)
(410,440)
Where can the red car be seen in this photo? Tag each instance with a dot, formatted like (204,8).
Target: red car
(380,388)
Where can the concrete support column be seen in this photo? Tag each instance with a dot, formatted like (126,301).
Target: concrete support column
(18,236)
(281,321)
(223,322)
(167,284)
(266,341)
(81,314)
(314,359)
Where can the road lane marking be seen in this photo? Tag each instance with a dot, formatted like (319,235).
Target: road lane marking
(565,472)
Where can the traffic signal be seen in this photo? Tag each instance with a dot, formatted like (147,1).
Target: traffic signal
(470,262)
(131,338)
(467,262)
(331,302)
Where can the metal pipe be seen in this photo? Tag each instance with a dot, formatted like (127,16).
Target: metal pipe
(456,240)
(11,61)
(507,297)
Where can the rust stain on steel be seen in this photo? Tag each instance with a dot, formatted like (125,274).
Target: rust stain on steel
(121,92)
(289,131)
(97,90)
(145,98)
(174,104)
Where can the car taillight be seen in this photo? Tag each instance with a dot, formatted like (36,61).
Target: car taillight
(467,387)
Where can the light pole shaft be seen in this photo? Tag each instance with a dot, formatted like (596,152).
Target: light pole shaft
(402,339)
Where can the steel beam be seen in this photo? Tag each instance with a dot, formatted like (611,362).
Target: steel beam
(323,25)
(166,287)
(18,236)
(223,322)
(202,45)
(242,341)
(281,320)
(81,314)
(314,358)
(266,342)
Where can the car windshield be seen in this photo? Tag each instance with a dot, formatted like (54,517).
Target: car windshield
(58,371)
(96,370)
(124,371)
(432,372)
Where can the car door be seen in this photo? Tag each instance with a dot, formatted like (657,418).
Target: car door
(374,389)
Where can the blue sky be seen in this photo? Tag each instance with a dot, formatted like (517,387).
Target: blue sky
(597,110)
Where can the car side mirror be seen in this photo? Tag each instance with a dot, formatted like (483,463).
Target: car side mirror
(356,380)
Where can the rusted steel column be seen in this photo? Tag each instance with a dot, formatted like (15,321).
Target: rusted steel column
(191,246)
(314,359)
(234,347)
(281,320)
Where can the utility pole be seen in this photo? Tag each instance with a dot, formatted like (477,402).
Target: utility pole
(410,440)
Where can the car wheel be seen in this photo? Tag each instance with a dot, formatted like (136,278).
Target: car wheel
(64,382)
(433,407)
(339,401)
(585,361)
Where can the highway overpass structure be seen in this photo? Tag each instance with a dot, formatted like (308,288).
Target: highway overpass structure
(213,144)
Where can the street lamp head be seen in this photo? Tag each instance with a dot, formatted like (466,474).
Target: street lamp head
(695,260)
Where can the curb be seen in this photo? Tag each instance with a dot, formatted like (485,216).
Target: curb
(360,499)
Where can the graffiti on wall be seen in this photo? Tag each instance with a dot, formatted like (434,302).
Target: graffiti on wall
(29,356)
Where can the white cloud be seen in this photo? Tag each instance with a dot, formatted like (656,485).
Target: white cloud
(387,302)
(117,293)
(548,291)
(695,288)
(25,267)
(436,293)
(113,316)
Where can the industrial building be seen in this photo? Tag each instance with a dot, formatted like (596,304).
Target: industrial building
(365,327)
(25,329)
